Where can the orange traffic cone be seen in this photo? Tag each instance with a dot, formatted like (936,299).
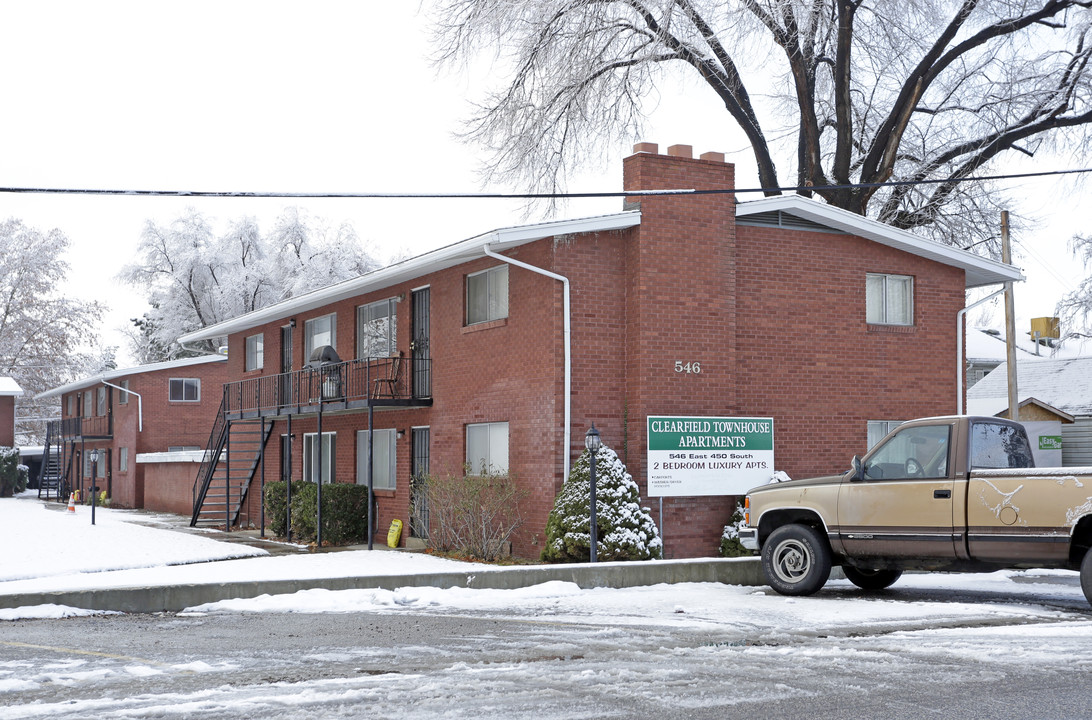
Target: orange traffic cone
(72,503)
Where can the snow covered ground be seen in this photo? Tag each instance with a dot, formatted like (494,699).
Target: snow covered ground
(685,650)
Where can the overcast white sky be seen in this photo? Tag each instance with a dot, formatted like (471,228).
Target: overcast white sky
(325,96)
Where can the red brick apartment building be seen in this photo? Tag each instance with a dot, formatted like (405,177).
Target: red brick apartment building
(506,347)
(123,414)
(9,391)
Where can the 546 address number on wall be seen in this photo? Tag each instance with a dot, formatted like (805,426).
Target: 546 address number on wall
(690,368)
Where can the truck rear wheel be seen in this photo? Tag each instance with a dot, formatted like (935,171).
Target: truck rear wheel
(1086,576)
(796,560)
(871,579)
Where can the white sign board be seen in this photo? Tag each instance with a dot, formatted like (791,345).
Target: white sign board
(695,456)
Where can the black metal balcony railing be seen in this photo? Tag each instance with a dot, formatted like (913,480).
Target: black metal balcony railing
(75,428)
(364,381)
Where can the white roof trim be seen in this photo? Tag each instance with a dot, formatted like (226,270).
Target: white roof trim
(124,372)
(430,262)
(979,271)
(10,387)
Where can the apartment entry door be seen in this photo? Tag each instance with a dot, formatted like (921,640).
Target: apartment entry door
(422,367)
(418,489)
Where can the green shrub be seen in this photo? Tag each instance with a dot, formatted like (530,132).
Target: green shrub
(729,539)
(13,475)
(344,512)
(473,514)
(625,530)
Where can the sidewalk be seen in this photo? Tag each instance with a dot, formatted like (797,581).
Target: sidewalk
(112,584)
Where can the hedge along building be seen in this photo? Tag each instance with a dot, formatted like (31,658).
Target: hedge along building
(122,413)
(506,347)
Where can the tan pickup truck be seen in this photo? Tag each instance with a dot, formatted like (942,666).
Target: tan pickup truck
(947,493)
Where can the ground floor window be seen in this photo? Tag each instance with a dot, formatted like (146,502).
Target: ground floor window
(123,459)
(316,464)
(487,447)
(878,429)
(384,465)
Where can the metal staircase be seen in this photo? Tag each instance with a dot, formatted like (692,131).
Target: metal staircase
(232,457)
(52,484)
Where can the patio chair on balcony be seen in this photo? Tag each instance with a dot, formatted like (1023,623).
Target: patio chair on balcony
(387,387)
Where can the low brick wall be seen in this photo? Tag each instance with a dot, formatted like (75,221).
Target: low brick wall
(168,480)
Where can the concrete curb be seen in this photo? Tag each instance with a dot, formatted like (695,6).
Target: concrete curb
(174,598)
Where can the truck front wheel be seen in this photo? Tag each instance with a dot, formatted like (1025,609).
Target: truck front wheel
(796,560)
(1086,576)
(871,579)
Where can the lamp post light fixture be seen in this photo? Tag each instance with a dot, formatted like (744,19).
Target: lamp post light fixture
(592,442)
(94,476)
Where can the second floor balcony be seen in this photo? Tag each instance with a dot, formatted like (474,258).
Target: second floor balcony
(353,384)
(71,429)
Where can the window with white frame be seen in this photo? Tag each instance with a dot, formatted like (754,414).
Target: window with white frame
(123,459)
(318,332)
(384,466)
(123,395)
(487,447)
(185,389)
(255,352)
(487,295)
(100,401)
(377,329)
(878,429)
(319,464)
(71,409)
(87,409)
(889,299)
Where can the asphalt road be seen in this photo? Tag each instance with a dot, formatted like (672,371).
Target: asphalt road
(513,665)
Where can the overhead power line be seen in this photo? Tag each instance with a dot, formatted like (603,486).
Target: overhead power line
(522,196)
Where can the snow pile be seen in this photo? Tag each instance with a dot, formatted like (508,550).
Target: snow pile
(625,530)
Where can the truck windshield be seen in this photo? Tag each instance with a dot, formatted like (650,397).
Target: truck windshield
(994,445)
(920,451)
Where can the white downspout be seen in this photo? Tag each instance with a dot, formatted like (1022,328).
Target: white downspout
(139,404)
(568,346)
(960,370)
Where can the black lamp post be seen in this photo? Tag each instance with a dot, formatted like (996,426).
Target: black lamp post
(94,476)
(593,443)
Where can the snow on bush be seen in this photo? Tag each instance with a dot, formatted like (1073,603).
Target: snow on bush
(625,529)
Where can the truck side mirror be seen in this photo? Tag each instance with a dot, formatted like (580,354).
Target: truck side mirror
(856,471)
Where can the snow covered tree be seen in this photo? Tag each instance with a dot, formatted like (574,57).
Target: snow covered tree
(843,91)
(625,529)
(46,338)
(195,277)
(1075,308)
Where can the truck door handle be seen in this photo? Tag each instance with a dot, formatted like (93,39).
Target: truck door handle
(942,494)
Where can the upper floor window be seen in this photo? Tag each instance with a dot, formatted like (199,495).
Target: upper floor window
(377,329)
(487,295)
(71,405)
(123,395)
(87,407)
(255,352)
(318,332)
(100,401)
(186,389)
(487,447)
(889,299)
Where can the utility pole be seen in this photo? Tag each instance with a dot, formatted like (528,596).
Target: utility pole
(1010,322)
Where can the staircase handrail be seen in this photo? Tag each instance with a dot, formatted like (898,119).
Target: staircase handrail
(215,446)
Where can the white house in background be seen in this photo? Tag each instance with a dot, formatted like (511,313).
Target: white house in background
(1061,387)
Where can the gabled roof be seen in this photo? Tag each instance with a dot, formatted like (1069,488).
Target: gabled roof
(112,375)
(449,256)
(979,270)
(1064,384)
(997,407)
(9,388)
